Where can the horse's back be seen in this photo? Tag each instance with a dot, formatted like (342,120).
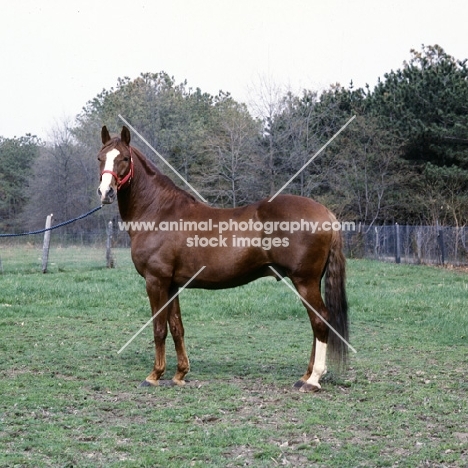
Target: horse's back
(290,207)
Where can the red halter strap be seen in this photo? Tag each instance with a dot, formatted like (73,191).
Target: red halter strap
(125,181)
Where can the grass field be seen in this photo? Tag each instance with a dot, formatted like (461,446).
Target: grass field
(69,400)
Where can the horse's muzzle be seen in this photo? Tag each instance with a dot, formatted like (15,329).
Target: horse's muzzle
(108,197)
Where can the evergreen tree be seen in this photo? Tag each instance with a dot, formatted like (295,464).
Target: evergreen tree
(17,156)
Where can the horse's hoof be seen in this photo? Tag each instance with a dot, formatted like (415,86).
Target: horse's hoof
(299,384)
(147,383)
(309,388)
(179,383)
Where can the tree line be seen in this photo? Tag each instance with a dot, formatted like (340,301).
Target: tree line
(403,159)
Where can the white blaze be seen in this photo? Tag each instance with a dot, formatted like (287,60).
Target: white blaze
(108,166)
(319,363)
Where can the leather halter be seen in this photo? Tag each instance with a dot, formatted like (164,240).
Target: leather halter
(125,181)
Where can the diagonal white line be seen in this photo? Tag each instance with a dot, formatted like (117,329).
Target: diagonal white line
(311,159)
(161,309)
(311,308)
(160,157)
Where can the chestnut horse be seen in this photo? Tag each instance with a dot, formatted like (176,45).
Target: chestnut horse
(168,259)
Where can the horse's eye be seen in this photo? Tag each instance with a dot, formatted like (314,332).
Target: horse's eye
(125,159)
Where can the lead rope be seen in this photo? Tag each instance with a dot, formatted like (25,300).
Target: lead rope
(39,231)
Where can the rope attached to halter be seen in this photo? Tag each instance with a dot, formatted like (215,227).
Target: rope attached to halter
(39,231)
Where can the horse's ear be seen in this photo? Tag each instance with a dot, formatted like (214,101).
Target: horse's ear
(125,135)
(105,137)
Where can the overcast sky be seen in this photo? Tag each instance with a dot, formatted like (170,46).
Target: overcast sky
(56,55)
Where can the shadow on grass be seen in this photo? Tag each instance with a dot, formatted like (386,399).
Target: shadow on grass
(139,365)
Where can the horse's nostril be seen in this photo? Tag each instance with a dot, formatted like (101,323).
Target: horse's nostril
(99,192)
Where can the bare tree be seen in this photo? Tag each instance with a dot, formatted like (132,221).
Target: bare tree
(232,147)
(367,169)
(62,180)
(267,102)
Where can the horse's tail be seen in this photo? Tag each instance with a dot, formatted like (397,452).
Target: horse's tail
(336,302)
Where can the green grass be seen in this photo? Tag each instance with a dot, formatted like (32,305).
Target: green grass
(68,399)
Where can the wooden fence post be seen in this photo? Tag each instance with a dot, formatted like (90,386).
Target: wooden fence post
(440,241)
(419,245)
(376,242)
(109,256)
(397,244)
(45,247)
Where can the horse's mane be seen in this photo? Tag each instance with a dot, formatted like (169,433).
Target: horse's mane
(163,181)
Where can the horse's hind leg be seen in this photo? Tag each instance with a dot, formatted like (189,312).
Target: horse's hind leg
(310,291)
(310,367)
(177,331)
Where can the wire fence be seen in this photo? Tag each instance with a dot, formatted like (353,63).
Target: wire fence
(409,244)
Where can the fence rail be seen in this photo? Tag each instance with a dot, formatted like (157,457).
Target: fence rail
(96,237)
(409,244)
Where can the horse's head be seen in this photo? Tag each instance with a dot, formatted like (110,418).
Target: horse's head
(116,164)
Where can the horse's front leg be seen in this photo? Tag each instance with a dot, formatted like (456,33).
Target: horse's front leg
(177,332)
(158,294)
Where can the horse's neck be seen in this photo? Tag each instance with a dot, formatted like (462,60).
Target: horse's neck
(148,196)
